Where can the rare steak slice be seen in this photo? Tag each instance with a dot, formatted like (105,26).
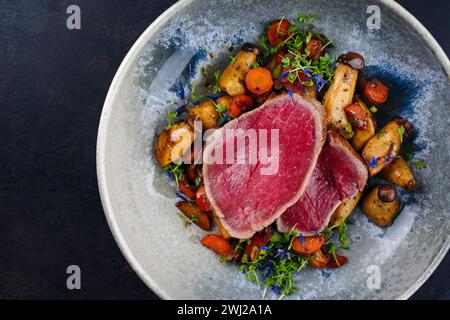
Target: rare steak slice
(339,174)
(259,181)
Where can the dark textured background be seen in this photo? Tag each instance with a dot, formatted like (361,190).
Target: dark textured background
(53,84)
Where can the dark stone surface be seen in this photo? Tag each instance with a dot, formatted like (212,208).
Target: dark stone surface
(53,85)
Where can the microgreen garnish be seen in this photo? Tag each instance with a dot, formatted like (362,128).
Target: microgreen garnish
(186,220)
(221,110)
(216,89)
(175,170)
(194,218)
(275,265)
(286,62)
(331,249)
(171,116)
(343,238)
(255,65)
(401,132)
(195,97)
(408,156)
(419,164)
(232,60)
(381,133)
(267,50)
(223,114)
(299,34)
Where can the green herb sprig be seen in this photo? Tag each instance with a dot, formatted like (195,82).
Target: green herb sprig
(171,116)
(419,163)
(215,88)
(175,170)
(275,265)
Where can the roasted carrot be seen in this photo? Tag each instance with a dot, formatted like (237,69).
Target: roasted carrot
(259,80)
(195,214)
(336,261)
(240,104)
(278,31)
(319,260)
(186,188)
(191,172)
(258,240)
(356,115)
(201,199)
(375,91)
(307,245)
(219,245)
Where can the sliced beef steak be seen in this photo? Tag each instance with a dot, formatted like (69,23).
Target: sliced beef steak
(246,195)
(340,173)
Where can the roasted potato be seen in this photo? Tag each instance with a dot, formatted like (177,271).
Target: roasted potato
(195,214)
(221,228)
(232,79)
(344,210)
(172,144)
(338,96)
(206,112)
(225,101)
(399,173)
(384,146)
(381,205)
(361,136)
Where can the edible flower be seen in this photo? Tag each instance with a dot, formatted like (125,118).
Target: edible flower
(373,163)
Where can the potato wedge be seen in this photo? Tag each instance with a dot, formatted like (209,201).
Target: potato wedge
(172,144)
(338,96)
(195,214)
(381,205)
(225,101)
(232,79)
(344,210)
(206,112)
(221,228)
(381,149)
(360,137)
(399,173)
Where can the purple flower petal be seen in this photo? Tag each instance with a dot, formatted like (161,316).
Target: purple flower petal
(289,91)
(373,163)
(302,238)
(182,196)
(181,93)
(223,121)
(284,74)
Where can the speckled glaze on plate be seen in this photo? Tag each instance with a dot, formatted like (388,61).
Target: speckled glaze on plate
(138,198)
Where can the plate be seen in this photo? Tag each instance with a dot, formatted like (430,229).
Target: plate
(193,37)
